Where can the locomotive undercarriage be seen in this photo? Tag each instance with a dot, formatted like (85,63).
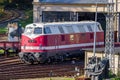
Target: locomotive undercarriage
(35,58)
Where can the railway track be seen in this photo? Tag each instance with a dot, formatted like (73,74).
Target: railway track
(13,68)
(13,15)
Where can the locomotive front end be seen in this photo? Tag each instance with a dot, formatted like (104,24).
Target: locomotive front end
(31,44)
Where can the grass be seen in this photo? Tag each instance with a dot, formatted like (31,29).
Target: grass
(52,78)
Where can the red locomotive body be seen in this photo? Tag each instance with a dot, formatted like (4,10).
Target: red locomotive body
(45,41)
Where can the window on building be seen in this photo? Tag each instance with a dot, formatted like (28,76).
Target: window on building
(47,30)
(56,16)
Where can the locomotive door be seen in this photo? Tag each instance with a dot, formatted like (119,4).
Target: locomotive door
(57,42)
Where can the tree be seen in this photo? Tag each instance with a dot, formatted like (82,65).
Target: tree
(20,4)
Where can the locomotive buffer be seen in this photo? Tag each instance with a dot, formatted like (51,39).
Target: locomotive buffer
(98,70)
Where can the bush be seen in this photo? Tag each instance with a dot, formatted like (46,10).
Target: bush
(115,79)
(2,51)
(27,19)
(3,30)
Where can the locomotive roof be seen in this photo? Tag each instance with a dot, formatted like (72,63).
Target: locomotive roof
(67,27)
(53,23)
(75,1)
(63,23)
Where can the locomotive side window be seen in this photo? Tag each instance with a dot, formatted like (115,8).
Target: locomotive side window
(28,30)
(69,29)
(89,28)
(81,28)
(99,27)
(47,30)
(38,30)
(61,29)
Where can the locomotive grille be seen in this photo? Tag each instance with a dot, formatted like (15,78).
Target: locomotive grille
(32,41)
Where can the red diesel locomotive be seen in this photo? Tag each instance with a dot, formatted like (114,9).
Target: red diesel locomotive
(43,42)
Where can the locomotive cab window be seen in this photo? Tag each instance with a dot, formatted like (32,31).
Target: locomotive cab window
(28,30)
(38,30)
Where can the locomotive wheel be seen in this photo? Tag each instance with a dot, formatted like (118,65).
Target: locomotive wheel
(28,59)
(31,58)
(61,58)
(49,60)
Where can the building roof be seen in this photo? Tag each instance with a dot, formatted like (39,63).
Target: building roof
(75,1)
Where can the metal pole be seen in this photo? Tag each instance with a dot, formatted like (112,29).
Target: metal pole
(94,48)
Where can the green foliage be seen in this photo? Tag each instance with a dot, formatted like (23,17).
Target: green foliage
(2,51)
(118,74)
(10,50)
(1,14)
(113,76)
(1,2)
(3,30)
(28,18)
(115,79)
(17,4)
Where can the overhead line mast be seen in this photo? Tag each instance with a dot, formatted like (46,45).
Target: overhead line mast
(109,39)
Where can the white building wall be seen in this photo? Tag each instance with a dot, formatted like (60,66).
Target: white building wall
(35,13)
(36,1)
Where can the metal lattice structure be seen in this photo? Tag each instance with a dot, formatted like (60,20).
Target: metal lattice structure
(109,41)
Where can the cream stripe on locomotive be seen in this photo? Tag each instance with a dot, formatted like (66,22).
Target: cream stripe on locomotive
(59,46)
